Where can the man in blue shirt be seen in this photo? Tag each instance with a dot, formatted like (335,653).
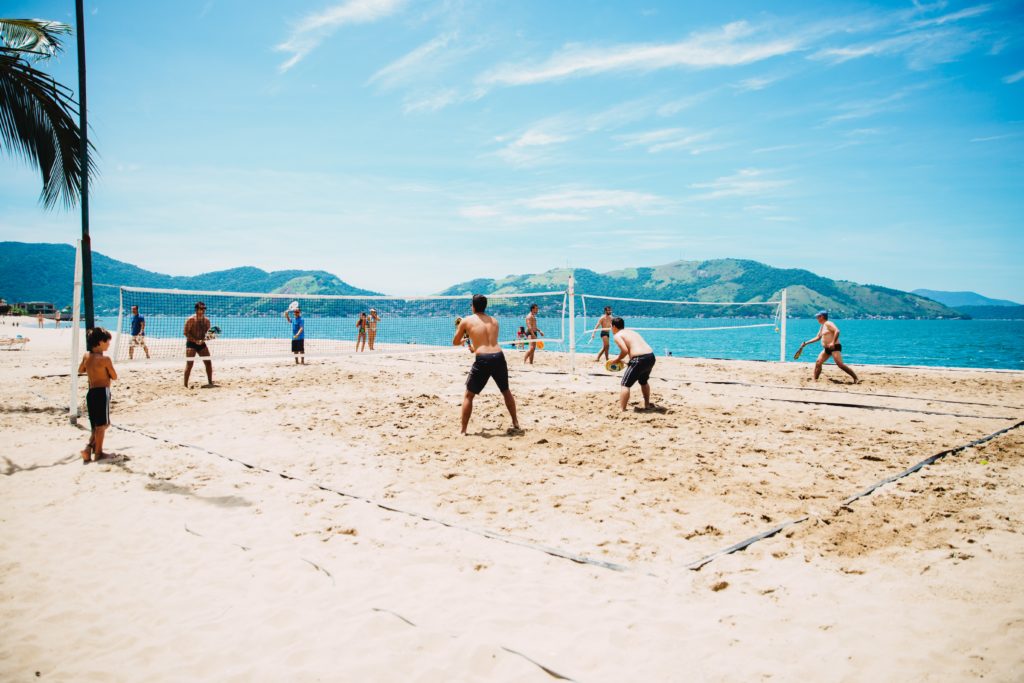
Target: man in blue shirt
(298,334)
(138,333)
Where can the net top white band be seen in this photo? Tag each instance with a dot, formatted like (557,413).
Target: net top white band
(691,303)
(349,297)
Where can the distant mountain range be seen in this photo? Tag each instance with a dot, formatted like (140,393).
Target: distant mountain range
(44,272)
(727,280)
(958,300)
(993,312)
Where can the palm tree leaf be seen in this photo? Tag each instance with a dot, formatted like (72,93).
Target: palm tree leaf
(37,36)
(37,123)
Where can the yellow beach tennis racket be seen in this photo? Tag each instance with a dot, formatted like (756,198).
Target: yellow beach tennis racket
(613,366)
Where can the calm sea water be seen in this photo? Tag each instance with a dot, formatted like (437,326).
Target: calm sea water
(957,343)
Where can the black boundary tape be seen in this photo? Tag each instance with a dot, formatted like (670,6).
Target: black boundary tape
(857,393)
(511,540)
(886,408)
(929,460)
(694,566)
(866,492)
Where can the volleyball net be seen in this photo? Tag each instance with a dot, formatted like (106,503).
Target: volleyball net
(706,329)
(151,322)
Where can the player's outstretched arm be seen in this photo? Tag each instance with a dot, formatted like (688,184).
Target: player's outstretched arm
(460,332)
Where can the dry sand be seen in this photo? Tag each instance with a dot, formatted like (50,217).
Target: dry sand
(398,551)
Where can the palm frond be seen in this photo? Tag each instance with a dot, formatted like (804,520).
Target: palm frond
(37,36)
(38,124)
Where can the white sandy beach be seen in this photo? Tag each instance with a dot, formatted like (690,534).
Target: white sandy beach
(398,551)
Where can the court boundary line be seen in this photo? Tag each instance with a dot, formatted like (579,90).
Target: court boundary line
(485,533)
(579,559)
(742,545)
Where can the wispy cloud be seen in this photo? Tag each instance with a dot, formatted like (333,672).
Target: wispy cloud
(531,146)
(535,144)
(863,109)
(993,138)
(966,13)
(756,83)
(667,139)
(592,200)
(924,42)
(313,29)
(567,205)
(748,182)
(1013,78)
(732,45)
(411,65)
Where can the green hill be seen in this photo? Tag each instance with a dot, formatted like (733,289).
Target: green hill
(727,280)
(45,272)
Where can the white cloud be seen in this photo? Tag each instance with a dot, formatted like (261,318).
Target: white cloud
(1013,78)
(313,29)
(726,46)
(748,182)
(410,66)
(757,83)
(965,13)
(866,108)
(666,139)
(591,200)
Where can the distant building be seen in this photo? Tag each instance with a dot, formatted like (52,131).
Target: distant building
(37,307)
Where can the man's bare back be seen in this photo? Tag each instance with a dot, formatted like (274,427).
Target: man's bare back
(632,343)
(482,330)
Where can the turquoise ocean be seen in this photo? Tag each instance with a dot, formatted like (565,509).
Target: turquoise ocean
(997,344)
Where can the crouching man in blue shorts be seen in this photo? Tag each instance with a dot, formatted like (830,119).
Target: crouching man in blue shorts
(489,361)
(641,362)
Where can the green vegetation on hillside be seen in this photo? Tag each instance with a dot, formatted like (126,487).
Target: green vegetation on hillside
(727,280)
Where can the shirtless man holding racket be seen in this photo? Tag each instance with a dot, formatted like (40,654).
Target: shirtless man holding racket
(489,361)
(829,336)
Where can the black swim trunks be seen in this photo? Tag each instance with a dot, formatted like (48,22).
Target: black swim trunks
(98,402)
(638,370)
(604,333)
(486,366)
(298,345)
(830,349)
(198,348)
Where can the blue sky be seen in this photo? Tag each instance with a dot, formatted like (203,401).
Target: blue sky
(406,145)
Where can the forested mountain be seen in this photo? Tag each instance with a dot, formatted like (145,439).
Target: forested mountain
(727,280)
(45,272)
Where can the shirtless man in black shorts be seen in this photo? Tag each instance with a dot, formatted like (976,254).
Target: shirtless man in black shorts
(641,362)
(196,328)
(482,330)
(829,336)
(605,325)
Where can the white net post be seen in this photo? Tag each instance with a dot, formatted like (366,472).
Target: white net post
(75,333)
(118,330)
(572,324)
(782,327)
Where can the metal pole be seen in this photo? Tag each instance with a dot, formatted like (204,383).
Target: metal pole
(76,311)
(572,324)
(782,329)
(83,156)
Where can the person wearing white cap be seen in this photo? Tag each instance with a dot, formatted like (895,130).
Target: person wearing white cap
(371,326)
(829,336)
(298,332)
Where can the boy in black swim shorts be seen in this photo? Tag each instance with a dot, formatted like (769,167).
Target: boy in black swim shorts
(641,362)
(101,373)
(489,362)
